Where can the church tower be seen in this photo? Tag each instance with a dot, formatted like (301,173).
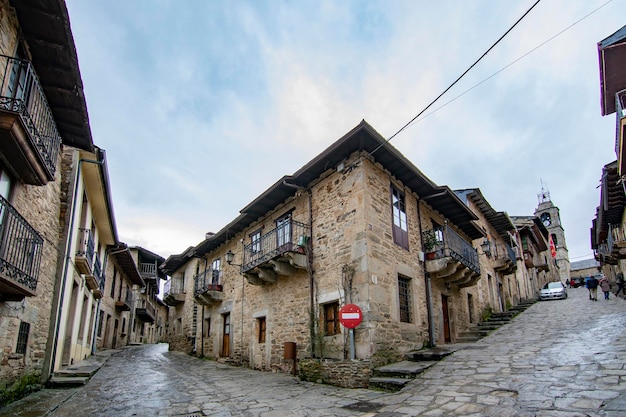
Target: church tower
(548,213)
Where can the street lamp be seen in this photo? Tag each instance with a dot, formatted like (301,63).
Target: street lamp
(486,247)
(230,257)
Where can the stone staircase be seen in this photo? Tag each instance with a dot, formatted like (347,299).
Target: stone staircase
(81,372)
(394,376)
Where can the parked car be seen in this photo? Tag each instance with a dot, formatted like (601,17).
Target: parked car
(553,291)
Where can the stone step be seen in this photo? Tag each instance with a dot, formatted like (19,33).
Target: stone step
(403,369)
(67,381)
(433,354)
(388,384)
(467,339)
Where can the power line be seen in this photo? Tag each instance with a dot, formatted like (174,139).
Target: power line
(458,79)
(411,123)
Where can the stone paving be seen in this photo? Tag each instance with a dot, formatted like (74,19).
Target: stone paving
(562,358)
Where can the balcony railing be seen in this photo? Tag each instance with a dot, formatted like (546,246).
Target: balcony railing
(85,252)
(209,280)
(148,270)
(290,236)
(145,311)
(126,303)
(20,251)
(22,94)
(454,246)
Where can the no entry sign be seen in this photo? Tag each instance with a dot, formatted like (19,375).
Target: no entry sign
(350,316)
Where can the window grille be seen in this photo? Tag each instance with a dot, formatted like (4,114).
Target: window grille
(22,337)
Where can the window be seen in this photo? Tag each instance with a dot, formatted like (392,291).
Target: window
(113,282)
(22,338)
(400,229)
(215,267)
(255,239)
(124,325)
(404,297)
(100,319)
(554,240)
(262,328)
(331,319)
(283,230)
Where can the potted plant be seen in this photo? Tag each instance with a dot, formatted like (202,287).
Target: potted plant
(429,242)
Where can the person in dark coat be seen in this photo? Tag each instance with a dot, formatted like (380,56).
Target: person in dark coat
(619,280)
(592,286)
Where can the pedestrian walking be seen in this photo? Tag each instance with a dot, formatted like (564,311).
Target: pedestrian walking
(592,285)
(605,285)
(619,280)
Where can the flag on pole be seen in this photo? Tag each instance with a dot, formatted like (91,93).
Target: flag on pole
(552,246)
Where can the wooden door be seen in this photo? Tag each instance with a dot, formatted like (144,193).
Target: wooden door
(446,319)
(226,338)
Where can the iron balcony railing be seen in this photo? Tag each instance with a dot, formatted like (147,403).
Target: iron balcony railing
(173,286)
(128,298)
(20,247)
(148,270)
(86,246)
(209,280)
(290,236)
(97,271)
(505,251)
(454,246)
(21,93)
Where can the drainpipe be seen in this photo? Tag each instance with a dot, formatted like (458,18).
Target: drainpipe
(53,332)
(429,292)
(309,261)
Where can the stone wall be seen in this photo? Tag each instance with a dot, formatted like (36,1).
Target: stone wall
(40,208)
(345,374)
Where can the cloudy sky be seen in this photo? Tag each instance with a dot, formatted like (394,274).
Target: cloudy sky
(202,105)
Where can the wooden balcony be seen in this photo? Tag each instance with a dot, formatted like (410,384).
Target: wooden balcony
(281,251)
(149,271)
(208,288)
(455,261)
(29,139)
(145,311)
(173,292)
(125,304)
(20,255)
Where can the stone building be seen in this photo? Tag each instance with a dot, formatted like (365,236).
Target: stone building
(146,326)
(550,217)
(117,307)
(608,229)
(42,111)
(358,224)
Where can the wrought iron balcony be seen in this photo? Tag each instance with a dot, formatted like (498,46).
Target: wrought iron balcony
(278,252)
(20,255)
(95,280)
(505,259)
(174,292)
(29,139)
(85,252)
(455,260)
(208,287)
(145,311)
(125,304)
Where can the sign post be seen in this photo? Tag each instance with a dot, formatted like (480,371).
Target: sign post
(350,316)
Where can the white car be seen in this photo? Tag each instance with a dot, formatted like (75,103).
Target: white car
(553,291)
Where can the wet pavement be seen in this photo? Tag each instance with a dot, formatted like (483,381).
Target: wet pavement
(559,358)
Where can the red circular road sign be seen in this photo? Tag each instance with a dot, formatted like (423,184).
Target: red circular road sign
(350,316)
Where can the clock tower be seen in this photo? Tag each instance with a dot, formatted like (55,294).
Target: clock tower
(548,213)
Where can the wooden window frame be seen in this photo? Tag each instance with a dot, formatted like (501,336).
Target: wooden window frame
(262,327)
(330,318)
(399,218)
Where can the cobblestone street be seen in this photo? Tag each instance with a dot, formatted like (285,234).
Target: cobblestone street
(558,358)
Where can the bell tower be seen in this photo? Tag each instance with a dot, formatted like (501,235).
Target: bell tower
(548,213)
